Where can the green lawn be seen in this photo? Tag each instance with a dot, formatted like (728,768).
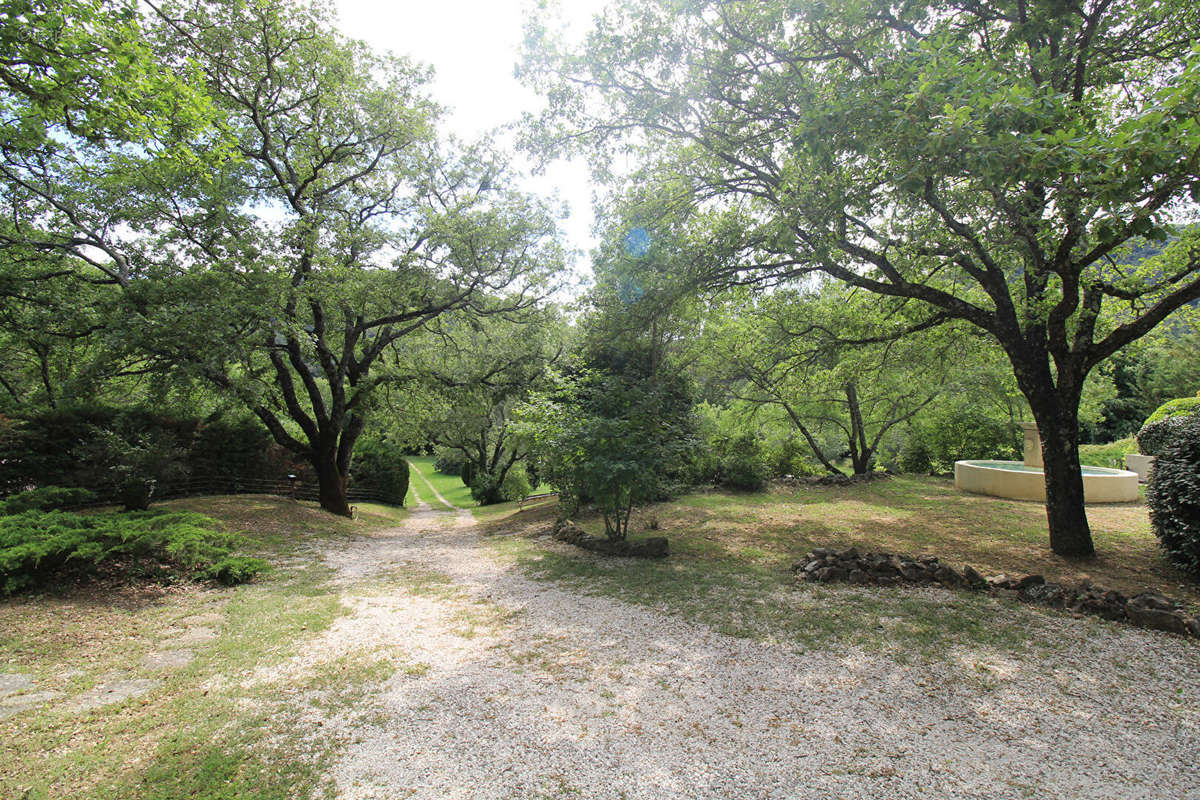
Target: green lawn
(731,557)
(450,487)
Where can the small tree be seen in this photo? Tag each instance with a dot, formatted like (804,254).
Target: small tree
(608,438)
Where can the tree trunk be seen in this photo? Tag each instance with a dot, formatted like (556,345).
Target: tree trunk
(332,487)
(860,454)
(1070,535)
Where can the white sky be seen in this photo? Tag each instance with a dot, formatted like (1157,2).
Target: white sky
(473,46)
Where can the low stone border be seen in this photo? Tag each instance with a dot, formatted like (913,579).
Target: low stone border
(1146,610)
(569,532)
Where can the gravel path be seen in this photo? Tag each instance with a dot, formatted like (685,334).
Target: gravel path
(528,689)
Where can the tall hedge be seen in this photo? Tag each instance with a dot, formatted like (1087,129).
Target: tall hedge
(1173,495)
(381,470)
(44,449)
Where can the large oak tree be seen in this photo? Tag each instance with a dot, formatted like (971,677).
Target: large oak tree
(281,249)
(995,159)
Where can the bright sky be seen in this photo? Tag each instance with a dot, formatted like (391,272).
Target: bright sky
(474,46)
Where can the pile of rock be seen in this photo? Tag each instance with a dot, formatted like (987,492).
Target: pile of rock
(831,480)
(569,532)
(1147,610)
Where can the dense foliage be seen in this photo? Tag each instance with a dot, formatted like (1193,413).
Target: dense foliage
(46,498)
(1174,495)
(616,436)
(1163,427)
(36,545)
(116,451)
(381,470)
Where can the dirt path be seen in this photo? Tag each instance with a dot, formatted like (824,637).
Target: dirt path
(520,689)
(413,468)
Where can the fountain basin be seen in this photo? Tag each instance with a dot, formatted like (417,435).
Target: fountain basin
(1017,481)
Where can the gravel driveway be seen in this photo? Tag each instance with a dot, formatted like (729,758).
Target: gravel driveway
(530,689)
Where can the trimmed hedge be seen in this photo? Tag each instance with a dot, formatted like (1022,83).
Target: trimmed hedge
(1179,407)
(37,546)
(44,449)
(1174,495)
(380,469)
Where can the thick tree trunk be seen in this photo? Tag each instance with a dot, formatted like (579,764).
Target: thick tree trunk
(1070,535)
(332,487)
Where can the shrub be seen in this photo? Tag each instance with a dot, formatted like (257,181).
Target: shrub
(743,465)
(485,489)
(516,483)
(42,450)
(134,466)
(1174,496)
(1107,455)
(45,498)
(467,472)
(449,462)
(380,469)
(37,545)
(1179,407)
(955,432)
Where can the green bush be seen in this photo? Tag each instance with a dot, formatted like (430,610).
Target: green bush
(42,449)
(45,498)
(955,432)
(449,462)
(38,545)
(486,488)
(743,465)
(1180,407)
(1173,496)
(134,466)
(516,483)
(380,469)
(1110,455)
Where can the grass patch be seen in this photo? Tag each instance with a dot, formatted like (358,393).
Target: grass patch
(451,487)
(731,555)
(211,728)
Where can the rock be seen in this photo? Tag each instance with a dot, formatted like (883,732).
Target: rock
(168,659)
(858,576)
(188,637)
(12,682)
(947,577)
(1041,592)
(914,573)
(832,574)
(108,693)
(23,702)
(813,566)
(653,547)
(1193,626)
(1158,619)
(974,579)
(1028,581)
(567,531)
(1152,600)
(929,561)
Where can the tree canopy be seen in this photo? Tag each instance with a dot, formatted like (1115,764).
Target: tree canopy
(996,161)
